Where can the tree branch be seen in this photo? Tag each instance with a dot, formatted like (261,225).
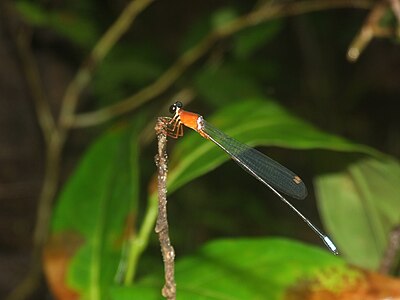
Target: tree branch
(262,14)
(168,253)
(390,258)
(100,50)
(368,31)
(42,107)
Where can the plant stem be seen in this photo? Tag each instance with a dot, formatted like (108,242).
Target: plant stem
(139,243)
(168,253)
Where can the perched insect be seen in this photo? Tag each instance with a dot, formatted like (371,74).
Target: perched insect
(275,176)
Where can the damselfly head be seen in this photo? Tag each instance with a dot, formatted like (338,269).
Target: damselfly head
(174,107)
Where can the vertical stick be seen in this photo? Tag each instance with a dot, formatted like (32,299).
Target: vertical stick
(168,253)
(390,258)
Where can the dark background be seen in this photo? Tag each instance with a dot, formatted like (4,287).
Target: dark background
(309,74)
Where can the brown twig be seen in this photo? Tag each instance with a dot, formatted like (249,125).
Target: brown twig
(168,253)
(185,95)
(392,252)
(100,50)
(368,31)
(28,61)
(395,5)
(264,13)
(372,27)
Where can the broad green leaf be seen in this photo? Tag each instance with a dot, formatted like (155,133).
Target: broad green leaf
(222,86)
(257,122)
(249,40)
(253,122)
(360,206)
(247,269)
(96,203)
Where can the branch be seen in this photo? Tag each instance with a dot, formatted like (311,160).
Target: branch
(395,5)
(168,253)
(262,14)
(100,50)
(369,30)
(372,27)
(391,254)
(42,107)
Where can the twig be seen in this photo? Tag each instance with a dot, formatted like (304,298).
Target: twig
(265,13)
(372,28)
(392,252)
(369,30)
(48,192)
(43,111)
(185,95)
(100,50)
(168,253)
(47,124)
(395,5)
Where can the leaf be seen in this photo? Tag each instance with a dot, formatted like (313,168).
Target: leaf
(265,123)
(360,208)
(248,269)
(96,204)
(79,29)
(249,40)
(223,16)
(32,13)
(199,29)
(360,205)
(126,68)
(222,86)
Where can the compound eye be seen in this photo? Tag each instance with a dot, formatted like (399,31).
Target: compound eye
(175,106)
(172,108)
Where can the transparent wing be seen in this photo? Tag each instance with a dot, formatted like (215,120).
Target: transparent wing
(265,169)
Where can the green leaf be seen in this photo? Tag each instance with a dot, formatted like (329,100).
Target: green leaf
(360,205)
(200,28)
(249,40)
(79,29)
(257,122)
(223,16)
(195,34)
(97,202)
(247,269)
(253,122)
(128,67)
(222,86)
(32,13)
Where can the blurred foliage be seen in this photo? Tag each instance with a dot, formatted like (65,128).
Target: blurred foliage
(80,30)
(97,204)
(356,186)
(364,197)
(130,67)
(247,269)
